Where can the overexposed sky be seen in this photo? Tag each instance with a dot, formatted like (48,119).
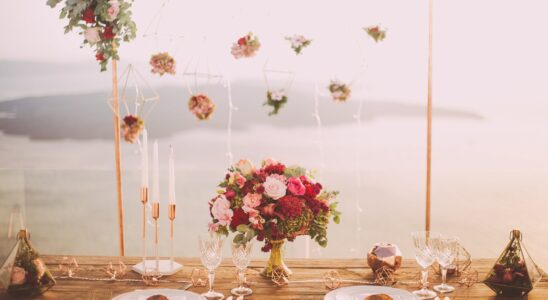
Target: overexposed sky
(483,49)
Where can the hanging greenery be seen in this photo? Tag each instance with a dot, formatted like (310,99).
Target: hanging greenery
(103,23)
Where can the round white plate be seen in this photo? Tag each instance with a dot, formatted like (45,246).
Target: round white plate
(362,291)
(170,293)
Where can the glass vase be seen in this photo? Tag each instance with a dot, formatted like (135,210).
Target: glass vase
(276,260)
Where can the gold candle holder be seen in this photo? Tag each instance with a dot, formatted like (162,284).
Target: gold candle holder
(144,200)
(156,216)
(171,216)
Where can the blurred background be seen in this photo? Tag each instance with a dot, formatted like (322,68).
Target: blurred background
(490,141)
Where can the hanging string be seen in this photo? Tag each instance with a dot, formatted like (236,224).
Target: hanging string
(319,137)
(231,109)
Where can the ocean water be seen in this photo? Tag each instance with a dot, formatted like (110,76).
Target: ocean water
(489,169)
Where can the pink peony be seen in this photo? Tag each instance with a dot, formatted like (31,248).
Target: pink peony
(221,210)
(18,275)
(252,200)
(245,166)
(295,186)
(274,186)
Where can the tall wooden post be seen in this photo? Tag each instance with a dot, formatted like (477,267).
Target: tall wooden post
(429,117)
(117,155)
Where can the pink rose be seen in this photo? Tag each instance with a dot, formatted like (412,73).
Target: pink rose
(245,166)
(213,227)
(274,186)
(237,178)
(113,10)
(269,162)
(18,276)
(295,186)
(252,200)
(221,210)
(40,267)
(92,35)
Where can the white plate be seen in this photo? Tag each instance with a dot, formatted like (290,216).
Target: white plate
(170,293)
(362,291)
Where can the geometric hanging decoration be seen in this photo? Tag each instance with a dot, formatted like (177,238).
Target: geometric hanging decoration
(138,99)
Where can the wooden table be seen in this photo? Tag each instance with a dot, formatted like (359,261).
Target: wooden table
(262,288)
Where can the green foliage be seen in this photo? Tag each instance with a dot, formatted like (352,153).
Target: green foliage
(122,26)
(295,171)
(275,104)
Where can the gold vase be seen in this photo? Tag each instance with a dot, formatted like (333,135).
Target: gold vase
(276,260)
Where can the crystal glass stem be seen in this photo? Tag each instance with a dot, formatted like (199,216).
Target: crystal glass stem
(211,277)
(241,277)
(424,280)
(443,276)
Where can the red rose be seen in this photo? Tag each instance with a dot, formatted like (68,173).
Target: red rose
(242,41)
(230,194)
(100,56)
(260,189)
(88,15)
(239,218)
(130,120)
(375,29)
(290,206)
(108,34)
(274,169)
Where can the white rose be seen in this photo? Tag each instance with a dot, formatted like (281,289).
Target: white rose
(113,10)
(274,187)
(92,35)
(245,167)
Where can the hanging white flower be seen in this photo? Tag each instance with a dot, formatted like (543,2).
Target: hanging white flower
(92,35)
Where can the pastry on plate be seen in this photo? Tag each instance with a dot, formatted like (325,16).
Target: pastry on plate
(158,297)
(378,297)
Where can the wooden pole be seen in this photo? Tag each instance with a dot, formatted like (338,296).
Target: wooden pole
(117,155)
(429,125)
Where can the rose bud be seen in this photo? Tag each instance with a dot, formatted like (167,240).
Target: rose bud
(508,276)
(230,194)
(268,210)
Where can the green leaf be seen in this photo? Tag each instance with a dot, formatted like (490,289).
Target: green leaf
(242,228)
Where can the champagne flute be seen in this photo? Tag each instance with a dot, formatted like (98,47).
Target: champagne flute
(445,250)
(211,256)
(425,258)
(241,259)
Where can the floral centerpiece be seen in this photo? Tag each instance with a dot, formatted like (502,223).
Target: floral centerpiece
(132,127)
(246,46)
(162,63)
(298,42)
(201,106)
(103,23)
(276,99)
(339,91)
(376,32)
(274,203)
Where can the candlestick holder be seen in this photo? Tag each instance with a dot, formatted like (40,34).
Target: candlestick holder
(160,266)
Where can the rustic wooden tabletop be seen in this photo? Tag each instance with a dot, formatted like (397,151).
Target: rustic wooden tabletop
(303,269)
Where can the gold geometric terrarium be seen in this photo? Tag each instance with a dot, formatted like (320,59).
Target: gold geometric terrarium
(23,272)
(514,273)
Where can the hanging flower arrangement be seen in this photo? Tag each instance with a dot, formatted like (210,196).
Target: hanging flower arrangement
(339,91)
(298,42)
(201,106)
(376,32)
(246,46)
(132,127)
(103,24)
(276,99)
(162,63)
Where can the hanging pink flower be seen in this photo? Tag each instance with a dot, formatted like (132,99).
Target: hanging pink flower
(201,106)
(246,46)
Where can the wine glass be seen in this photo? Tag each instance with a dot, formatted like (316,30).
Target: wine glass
(211,255)
(445,250)
(425,258)
(241,258)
